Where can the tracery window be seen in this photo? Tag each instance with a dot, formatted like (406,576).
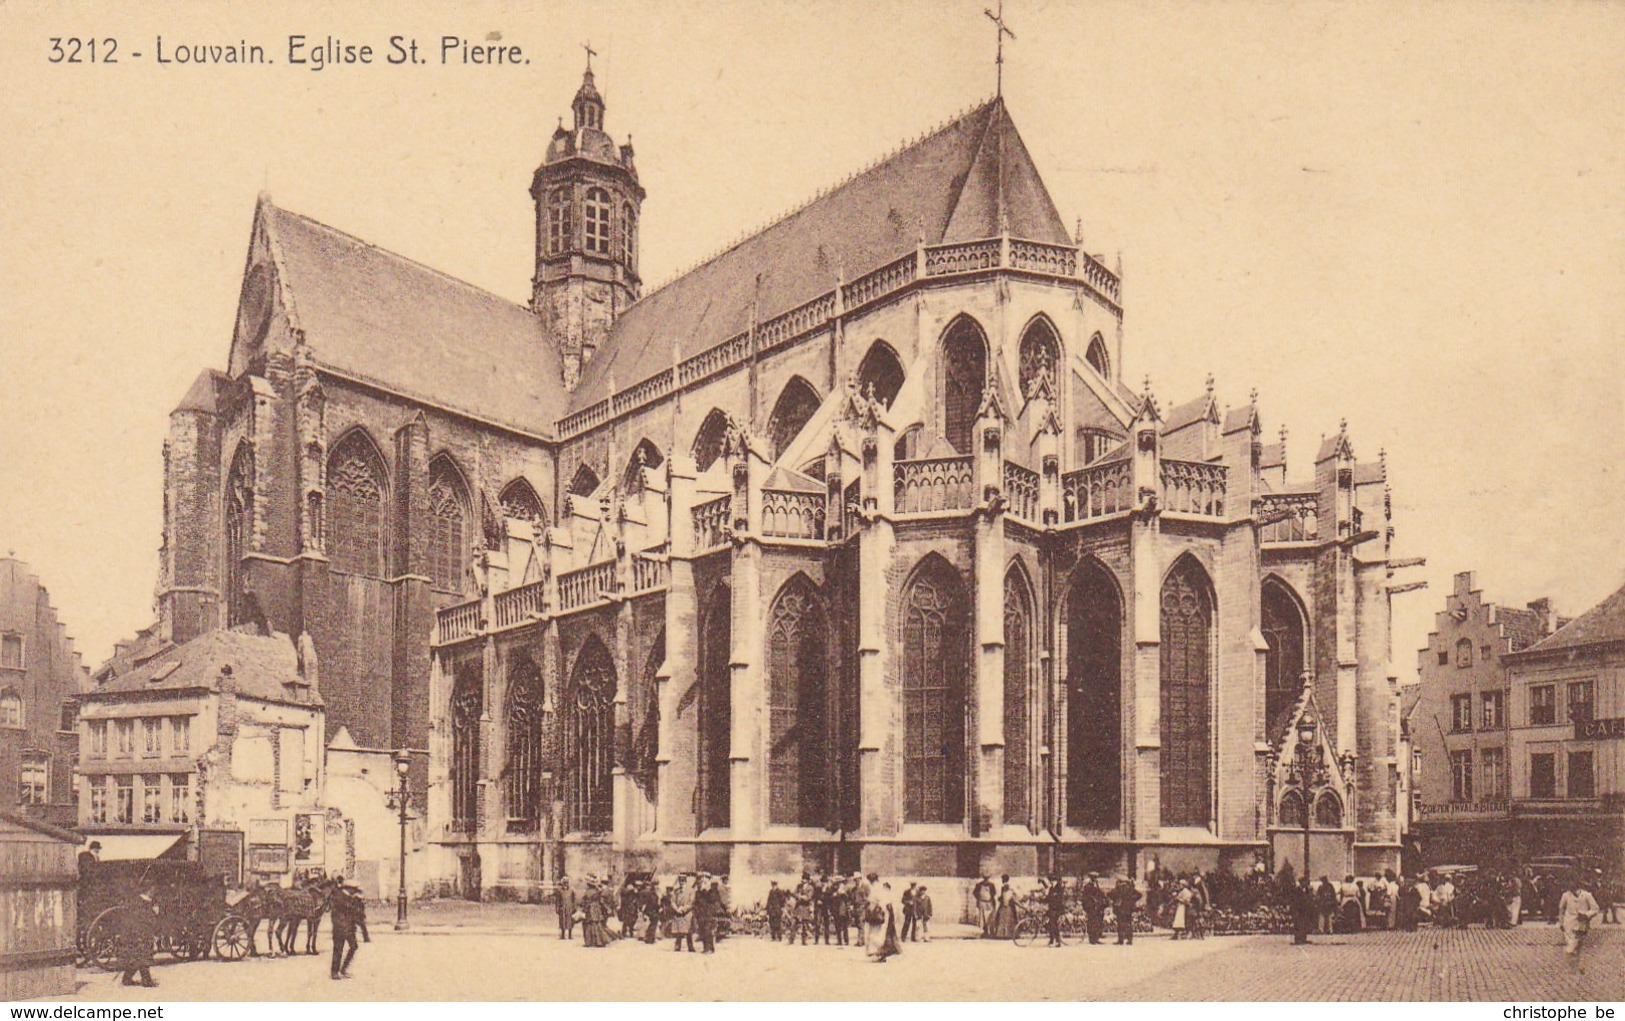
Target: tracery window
(1290,814)
(467,703)
(1187,623)
(355,519)
(522,774)
(448,529)
(798,732)
(964,378)
(589,733)
(239,528)
(558,221)
(519,501)
(1040,353)
(597,221)
(1328,811)
(1018,686)
(710,440)
(936,660)
(882,370)
(797,404)
(716,711)
(1098,358)
(1094,722)
(644,766)
(644,455)
(1284,631)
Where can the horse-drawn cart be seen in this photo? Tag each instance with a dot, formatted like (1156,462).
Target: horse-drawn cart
(194,918)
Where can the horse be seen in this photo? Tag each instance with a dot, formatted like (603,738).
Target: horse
(262,903)
(305,904)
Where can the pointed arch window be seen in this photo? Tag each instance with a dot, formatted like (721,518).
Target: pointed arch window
(355,500)
(1328,811)
(1094,715)
(558,221)
(1186,683)
(1040,354)
(585,482)
(1290,814)
(589,732)
(519,500)
(797,404)
(798,643)
(467,703)
(1018,688)
(1097,357)
(882,370)
(1286,634)
(644,455)
(964,354)
(714,797)
(710,441)
(239,530)
(522,773)
(936,665)
(596,221)
(448,526)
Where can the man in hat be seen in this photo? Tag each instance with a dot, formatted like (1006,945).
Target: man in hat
(682,914)
(89,858)
(564,905)
(138,929)
(806,893)
(908,915)
(1124,898)
(1093,901)
(1054,908)
(922,914)
(346,909)
(775,911)
(984,895)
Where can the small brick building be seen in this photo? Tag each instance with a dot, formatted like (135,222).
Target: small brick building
(41,677)
(850,547)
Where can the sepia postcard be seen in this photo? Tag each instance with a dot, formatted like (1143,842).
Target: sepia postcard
(692,501)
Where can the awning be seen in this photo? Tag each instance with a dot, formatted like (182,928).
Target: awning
(139,846)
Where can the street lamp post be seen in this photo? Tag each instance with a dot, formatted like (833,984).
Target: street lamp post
(398,799)
(1305,765)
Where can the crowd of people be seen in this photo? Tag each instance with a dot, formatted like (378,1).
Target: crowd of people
(834,910)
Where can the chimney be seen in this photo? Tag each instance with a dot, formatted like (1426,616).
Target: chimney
(1542,608)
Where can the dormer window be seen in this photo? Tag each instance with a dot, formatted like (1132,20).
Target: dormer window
(597,221)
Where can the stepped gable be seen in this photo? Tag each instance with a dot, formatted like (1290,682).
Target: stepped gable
(946,187)
(382,318)
(1604,622)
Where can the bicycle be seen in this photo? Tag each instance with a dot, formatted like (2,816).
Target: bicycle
(1034,923)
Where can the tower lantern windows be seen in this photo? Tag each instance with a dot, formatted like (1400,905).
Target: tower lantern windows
(597,222)
(558,221)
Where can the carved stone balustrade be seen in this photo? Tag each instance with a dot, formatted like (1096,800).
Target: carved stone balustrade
(455,623)
(587,585)
(934,484)
(791,515)
(1289,517)
(1021,491)
(517,605)
(1192,487)
(1097,490)
(711,524)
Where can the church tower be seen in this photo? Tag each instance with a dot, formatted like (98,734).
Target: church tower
(587,203)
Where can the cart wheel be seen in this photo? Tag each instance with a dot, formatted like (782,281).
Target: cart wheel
(1026,932)
(231,939)
(187,946)
(101,944)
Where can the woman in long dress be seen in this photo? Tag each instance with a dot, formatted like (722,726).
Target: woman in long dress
(880,925)
(1004,916)
(596,908)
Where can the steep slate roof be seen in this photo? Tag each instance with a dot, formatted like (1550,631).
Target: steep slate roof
(378,316)
(1604,622)
(946,187)
(1523,627)
(261,667)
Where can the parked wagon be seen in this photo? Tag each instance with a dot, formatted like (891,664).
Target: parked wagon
(194,917)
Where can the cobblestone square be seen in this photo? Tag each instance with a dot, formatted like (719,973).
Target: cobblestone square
(491,963)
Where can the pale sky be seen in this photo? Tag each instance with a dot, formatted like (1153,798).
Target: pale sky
(1409,215)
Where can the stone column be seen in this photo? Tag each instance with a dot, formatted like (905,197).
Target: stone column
(1145,617)
(675,758)
(878,755)
(747,675)
(987,693)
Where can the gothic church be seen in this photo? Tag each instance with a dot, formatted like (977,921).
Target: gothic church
(849,548)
